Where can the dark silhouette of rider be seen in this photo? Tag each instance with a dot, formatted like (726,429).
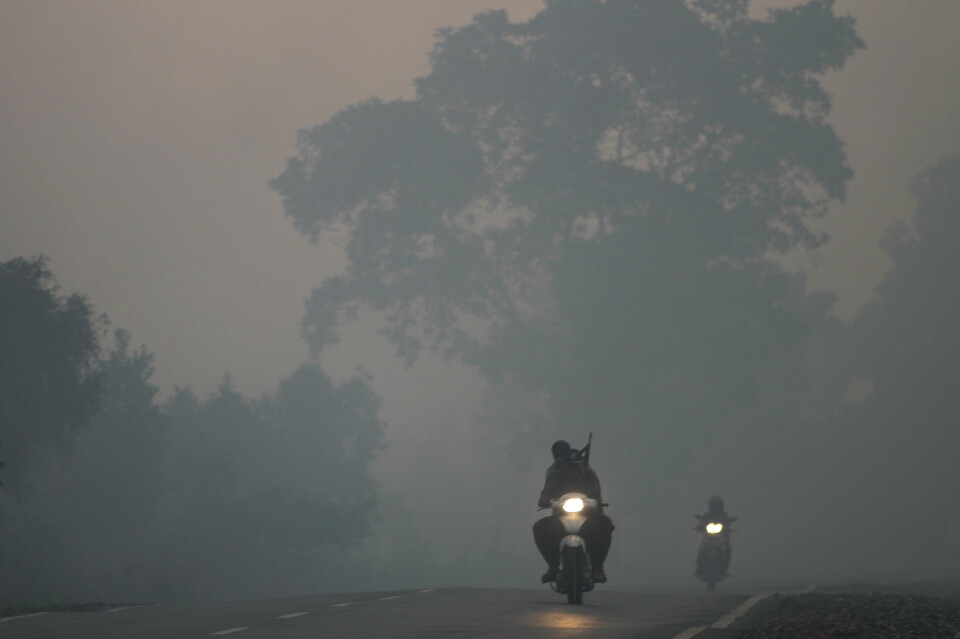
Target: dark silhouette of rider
(569,473)
(716,514)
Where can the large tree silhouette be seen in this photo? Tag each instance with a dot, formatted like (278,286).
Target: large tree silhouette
(585,204)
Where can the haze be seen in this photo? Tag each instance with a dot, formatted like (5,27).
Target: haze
(136,143)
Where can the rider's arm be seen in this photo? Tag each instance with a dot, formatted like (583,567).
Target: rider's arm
(550,488)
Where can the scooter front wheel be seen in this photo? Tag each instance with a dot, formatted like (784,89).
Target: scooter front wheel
(572,568)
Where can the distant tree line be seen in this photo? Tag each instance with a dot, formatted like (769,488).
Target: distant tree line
(110,495)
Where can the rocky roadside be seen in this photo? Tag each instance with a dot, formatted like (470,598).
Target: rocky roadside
(868,616)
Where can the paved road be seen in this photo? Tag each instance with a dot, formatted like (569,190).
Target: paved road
(458,612)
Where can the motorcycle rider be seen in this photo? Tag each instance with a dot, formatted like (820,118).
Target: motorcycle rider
(716,514)
(570,473)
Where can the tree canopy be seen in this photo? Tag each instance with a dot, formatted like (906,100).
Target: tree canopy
(905,344)
(586,203)
(49,346)
(262,493)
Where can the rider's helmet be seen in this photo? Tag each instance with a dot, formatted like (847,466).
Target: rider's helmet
(560,450)
(716,503)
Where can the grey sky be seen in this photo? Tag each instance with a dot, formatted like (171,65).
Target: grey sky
(136,140)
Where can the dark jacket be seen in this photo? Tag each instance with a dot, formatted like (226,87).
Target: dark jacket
(565,478)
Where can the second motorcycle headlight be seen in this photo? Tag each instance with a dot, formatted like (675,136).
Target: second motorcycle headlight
(573,505)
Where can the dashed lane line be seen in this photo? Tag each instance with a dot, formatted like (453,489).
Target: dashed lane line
(293,615)
(427,590)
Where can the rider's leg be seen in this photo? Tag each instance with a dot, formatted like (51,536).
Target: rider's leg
(598,531)
(547,533)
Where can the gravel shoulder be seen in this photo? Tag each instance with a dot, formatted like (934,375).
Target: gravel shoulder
(874,616)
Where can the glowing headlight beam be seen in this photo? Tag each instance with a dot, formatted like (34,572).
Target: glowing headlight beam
(573,505)
(713,529)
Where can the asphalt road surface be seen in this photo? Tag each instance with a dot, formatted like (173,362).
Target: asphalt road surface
(458,612)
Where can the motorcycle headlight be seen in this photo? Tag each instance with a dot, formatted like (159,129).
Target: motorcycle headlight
(573,505)
(714,529)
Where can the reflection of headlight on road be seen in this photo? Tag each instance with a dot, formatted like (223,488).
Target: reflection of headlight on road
(567,623)
(573,505)
(713,529)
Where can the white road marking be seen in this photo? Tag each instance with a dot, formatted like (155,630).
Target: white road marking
(808,589)
(389,598)
(121,608)
(341,605)
(292,615)
(725,620)
(427,590)
(32,614)
(228,631)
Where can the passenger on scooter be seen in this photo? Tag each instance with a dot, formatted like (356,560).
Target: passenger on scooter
(570,473)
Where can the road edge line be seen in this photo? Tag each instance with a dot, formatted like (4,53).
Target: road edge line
(29,614)
(739,611)
(725,620)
